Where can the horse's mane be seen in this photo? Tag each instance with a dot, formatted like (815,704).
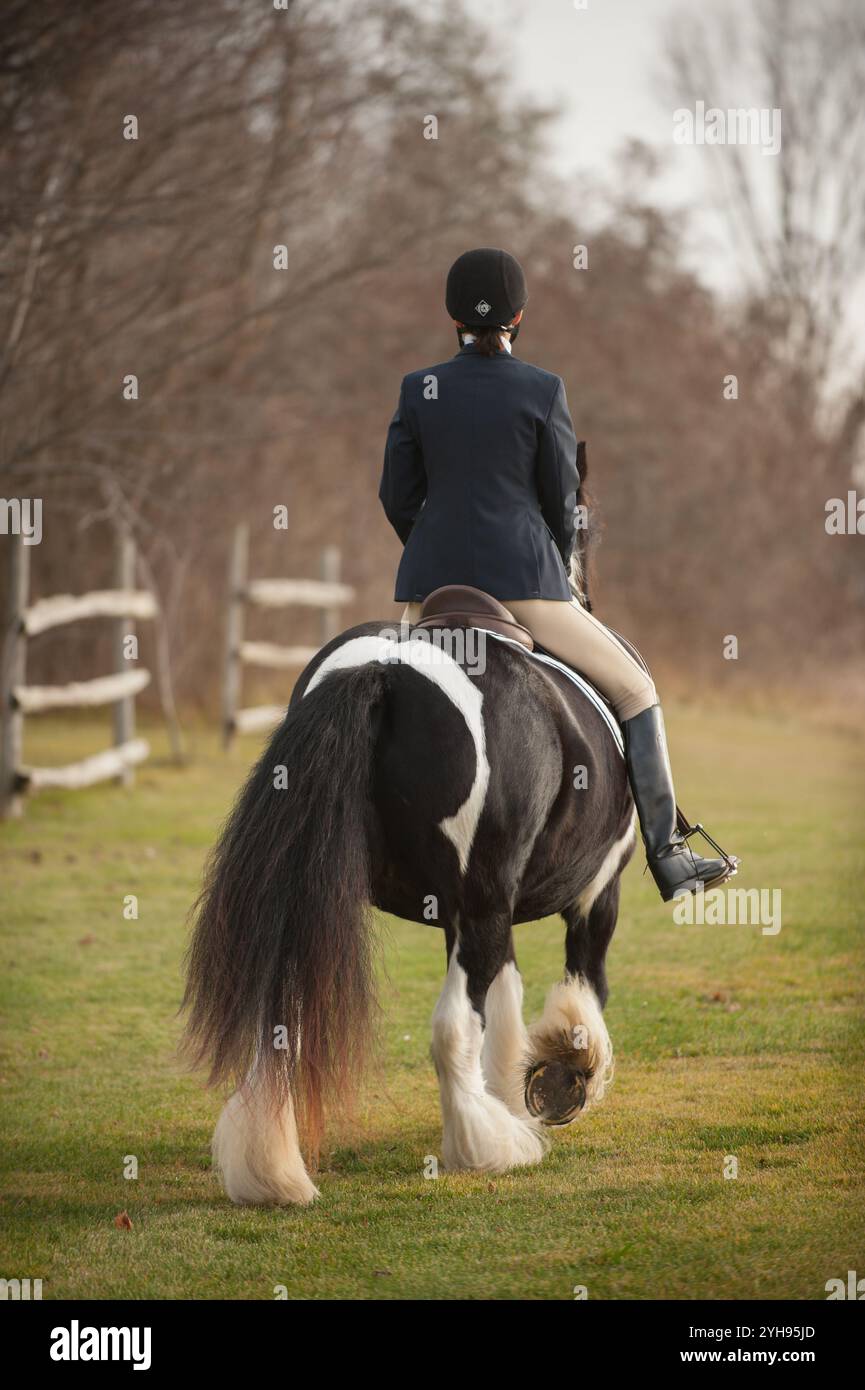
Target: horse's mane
(579,568)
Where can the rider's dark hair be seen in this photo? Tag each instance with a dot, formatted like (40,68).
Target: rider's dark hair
(488,341)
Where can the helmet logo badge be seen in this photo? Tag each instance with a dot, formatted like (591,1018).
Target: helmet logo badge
(483,308)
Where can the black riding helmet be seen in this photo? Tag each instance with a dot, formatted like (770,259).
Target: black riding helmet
(486,289)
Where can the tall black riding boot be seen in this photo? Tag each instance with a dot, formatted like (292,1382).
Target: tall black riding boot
(673,864)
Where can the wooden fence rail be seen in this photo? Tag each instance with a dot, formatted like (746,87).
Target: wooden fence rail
(327,594)
(124,604)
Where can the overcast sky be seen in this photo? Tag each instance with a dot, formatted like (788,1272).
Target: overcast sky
(599,62)
(603,65)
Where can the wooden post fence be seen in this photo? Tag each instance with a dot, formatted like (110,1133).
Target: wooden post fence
(124,603)
(12,672)
(327,594)
(124,709)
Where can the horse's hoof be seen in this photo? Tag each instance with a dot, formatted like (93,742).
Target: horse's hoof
(555,1094)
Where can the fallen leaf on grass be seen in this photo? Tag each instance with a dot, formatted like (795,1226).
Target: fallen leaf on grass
(721,996)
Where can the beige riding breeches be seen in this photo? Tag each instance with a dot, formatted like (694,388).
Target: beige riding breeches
(567,631)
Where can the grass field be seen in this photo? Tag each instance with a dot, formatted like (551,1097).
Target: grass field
(728,1042)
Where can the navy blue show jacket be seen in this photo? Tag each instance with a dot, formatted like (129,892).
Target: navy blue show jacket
(480,479)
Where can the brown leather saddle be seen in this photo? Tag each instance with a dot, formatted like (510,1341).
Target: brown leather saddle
(459,605)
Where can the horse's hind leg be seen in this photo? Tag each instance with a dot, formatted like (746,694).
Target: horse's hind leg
(571,1052)
(480,1132)
(256,1150)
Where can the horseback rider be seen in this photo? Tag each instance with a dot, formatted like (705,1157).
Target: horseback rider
(481,484)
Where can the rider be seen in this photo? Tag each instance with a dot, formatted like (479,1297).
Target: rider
(481,484)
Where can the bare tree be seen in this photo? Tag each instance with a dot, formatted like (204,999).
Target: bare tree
(257,128)
(799,216)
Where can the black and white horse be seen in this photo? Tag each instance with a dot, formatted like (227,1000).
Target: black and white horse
(469,799)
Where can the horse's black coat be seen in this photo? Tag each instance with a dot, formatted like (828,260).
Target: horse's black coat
(540,840)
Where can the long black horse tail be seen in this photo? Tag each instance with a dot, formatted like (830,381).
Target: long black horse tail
(280,982)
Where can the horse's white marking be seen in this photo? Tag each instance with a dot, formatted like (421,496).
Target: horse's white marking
(358,652)
(572,1004)
(608,869)
(506,1048)
(257,1153)
(479,1131)
(439,667)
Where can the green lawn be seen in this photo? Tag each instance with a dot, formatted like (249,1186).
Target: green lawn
(728,1042)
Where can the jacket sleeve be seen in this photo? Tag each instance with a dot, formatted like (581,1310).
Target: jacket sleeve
(403,481)
(558,479)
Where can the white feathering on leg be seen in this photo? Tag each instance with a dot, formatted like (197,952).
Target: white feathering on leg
(572,1004)
(256,1151)
(480,1133)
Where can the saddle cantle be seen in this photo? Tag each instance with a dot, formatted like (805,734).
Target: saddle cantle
(459,605)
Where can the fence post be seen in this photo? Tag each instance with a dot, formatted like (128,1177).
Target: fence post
(123,710)
(13,662)
(331,566)
(237,576)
